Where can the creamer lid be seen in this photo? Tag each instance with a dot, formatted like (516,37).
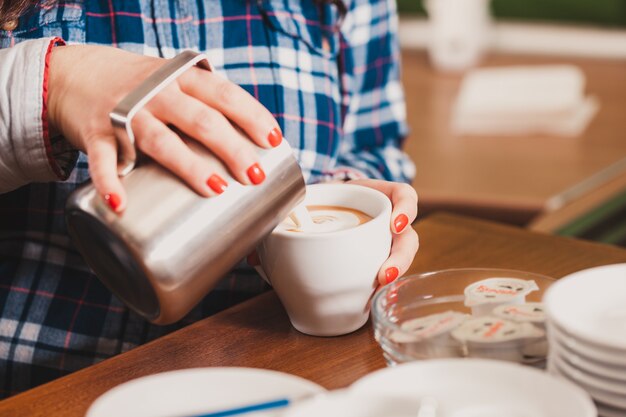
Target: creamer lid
(490,329)
(530,312)
(498,290)
(433,324)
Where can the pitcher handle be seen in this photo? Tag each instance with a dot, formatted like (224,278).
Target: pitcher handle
(122,115)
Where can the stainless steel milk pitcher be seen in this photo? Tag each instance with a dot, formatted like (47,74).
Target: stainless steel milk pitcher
(170,246)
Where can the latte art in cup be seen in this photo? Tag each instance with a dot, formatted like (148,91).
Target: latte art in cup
(328,219)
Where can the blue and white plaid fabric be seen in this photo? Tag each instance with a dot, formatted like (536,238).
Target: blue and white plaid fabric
(336,95)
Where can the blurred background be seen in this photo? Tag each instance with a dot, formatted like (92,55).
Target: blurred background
(517,111)
(610,13)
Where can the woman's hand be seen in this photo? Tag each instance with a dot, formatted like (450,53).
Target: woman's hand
(405,240)
(87,82)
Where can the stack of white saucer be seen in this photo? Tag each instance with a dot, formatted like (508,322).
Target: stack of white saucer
(586,318)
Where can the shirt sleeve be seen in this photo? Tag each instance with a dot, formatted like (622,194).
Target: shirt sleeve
(375,113)
(27,152)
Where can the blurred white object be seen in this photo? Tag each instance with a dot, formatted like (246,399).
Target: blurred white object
(346,403)
(523,100)
(197,391)
(460,32)
(534,38)
(586,318)
(477,388)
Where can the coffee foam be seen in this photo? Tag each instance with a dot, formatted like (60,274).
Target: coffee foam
(327,219)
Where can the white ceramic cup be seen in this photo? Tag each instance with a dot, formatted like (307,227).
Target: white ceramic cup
(460,32)
(325,280)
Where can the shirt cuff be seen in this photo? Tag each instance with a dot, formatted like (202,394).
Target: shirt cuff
(29,154)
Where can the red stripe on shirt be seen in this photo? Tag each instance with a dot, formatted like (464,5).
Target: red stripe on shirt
(44,111)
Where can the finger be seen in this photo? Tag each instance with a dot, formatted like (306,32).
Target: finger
(102,154)
(403,250)
(404,203)
(403,200)
(163,145)
(213,130)
(235,103)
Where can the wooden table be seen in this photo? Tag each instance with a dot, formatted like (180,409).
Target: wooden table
(258,334)
(552,221)
(506,178)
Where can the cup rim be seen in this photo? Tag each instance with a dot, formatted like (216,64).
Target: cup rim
(372,223)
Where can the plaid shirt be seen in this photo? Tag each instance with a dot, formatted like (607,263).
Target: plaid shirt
(335,94)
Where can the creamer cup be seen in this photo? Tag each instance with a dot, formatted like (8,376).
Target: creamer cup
(533,313)
(485,295)
(429,336)
(523,313)
(496,338)
(433,325)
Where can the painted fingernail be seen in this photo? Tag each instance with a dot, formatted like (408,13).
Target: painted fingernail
(401,221)
(217,183)
(275,137)
(391,274)
(113,200)
(256,174)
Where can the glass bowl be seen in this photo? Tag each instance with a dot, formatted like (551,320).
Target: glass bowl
(470,312)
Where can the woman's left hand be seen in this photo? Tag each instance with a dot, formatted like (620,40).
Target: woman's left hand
(405,240)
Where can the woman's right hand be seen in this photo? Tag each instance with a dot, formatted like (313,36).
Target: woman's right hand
(86,83)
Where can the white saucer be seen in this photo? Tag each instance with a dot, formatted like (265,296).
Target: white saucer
(349,403)
(608,356)
(591,305)
(479,387)
(610,386)
(588,364)
(201,390)
(616,401)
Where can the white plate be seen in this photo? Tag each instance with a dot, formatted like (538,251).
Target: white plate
(605,355)
(611,386)
(613,400)
(349,403)
(588,364)
(591,305)
(201,390)
(480,387)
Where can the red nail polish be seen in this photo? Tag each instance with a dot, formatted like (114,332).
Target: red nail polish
(391,274)
(113,200)
(256,174)
(217,183)
(401,222)
(275,137)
